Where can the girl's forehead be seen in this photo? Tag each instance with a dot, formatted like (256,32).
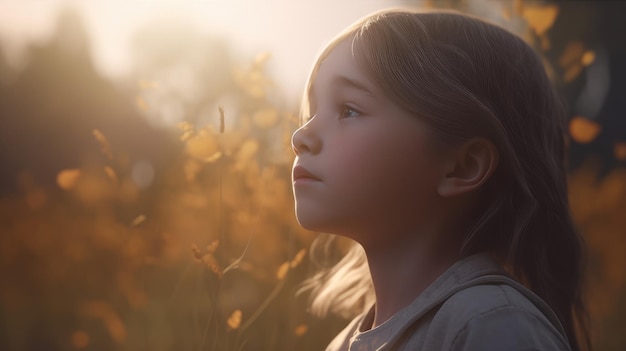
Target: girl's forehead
(342,65)
(341,53)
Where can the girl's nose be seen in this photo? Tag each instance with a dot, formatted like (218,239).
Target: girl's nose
(304,140)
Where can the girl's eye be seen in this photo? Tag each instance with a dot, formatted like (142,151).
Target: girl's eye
(347,111)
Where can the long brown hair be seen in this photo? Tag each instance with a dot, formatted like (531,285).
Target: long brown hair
(466,77)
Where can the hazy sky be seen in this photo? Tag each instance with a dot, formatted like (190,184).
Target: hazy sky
(293,31)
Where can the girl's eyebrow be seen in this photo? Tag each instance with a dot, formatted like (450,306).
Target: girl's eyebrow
(342,81)
(353,83)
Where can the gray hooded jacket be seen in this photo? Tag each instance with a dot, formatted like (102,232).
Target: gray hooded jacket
(472,306)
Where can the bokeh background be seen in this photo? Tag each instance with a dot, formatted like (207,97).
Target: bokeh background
(145,198)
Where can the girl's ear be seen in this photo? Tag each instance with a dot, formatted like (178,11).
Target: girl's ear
(469,167)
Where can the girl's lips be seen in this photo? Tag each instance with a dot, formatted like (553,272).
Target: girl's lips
(301,173)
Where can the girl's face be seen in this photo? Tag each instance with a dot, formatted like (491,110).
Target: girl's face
(363,165)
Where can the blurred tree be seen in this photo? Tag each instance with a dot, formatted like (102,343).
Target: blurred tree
(49,109)
(597,92)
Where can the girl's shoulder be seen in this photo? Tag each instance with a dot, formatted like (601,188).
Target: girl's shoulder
(499,314)
(471,306)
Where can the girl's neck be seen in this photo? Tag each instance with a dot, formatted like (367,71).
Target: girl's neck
(402,272)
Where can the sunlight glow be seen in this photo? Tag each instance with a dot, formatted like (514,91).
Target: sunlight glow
(293,31)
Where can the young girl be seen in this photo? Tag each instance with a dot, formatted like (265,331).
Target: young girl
(436,142)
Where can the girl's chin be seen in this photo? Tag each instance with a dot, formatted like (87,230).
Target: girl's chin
(312,224)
